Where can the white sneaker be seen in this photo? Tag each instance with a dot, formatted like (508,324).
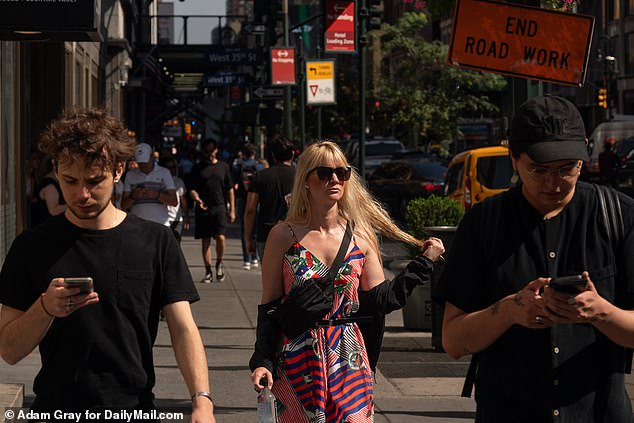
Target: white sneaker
(208,278)
(220,273)
(246,265)
(255,263)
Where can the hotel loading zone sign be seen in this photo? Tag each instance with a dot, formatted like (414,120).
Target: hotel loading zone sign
(320,82)
(521,41)
(340,26)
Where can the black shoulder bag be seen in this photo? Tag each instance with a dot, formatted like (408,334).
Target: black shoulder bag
(309,303)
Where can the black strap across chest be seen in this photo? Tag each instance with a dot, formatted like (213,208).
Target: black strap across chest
(341,254)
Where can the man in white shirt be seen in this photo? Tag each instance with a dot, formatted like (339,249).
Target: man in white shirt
(149,189)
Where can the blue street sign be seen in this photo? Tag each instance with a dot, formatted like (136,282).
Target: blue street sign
(223,56)
(222,79)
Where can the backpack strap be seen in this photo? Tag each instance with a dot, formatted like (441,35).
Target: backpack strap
(491,214)
(613,220)
(612,215)
(469,379)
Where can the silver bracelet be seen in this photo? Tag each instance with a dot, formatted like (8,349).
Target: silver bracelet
(202,394)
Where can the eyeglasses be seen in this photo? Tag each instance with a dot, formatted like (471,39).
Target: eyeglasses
(325,173)
(566,173)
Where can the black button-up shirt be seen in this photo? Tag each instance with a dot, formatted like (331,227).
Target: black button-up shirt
(570,373)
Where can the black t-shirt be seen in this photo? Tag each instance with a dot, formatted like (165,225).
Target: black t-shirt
(212,182)
(100,355)
(271,185)
(568,373)
(243,174)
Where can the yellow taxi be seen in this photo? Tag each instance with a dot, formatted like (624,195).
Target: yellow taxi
(476,174)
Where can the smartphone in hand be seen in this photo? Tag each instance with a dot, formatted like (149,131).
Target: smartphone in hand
(85,284)
(568,284)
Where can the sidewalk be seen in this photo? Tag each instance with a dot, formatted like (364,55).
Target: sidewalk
(413,383)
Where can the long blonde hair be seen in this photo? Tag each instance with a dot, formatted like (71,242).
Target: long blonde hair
(356,205)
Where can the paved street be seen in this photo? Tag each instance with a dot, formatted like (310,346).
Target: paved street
(414,384)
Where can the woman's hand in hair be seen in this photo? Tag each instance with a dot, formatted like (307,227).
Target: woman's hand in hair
(433,248)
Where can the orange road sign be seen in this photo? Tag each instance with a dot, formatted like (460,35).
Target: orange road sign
(521,41)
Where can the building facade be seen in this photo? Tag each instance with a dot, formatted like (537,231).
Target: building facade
(44,72)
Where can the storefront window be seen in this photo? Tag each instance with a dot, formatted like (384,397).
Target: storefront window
(9,163)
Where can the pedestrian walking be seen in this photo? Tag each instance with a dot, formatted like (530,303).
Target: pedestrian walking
(312,354)
(49,200)
(149,188)
(608,163)
(541,354)
(212,190)
(267,195)
(245,169)
(179,214)
(96,341)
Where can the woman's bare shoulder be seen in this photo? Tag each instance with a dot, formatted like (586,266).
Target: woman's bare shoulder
(281,236)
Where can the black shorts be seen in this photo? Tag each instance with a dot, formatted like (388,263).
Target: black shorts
(210,223)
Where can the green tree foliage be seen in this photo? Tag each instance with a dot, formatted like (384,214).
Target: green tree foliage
(422,92)
(565,5)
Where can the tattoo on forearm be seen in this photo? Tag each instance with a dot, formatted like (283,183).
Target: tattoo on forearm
(495,308)
(518,299)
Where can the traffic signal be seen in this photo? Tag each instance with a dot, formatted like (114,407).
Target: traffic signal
(375,14)
(602,98)
(188,129)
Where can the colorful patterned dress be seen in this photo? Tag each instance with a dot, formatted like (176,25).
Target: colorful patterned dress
(323,375)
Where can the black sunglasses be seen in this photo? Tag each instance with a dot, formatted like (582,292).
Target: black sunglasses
(325,173)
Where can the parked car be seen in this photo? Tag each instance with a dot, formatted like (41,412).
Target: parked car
(396,182)
(618,132)
(419,154)
(476,174)
(377,151)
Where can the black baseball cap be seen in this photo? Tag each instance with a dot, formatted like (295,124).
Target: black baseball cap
(548,128)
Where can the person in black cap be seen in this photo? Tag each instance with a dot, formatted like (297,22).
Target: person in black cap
(544,355)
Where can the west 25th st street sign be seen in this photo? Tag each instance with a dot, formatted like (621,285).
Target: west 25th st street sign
(521,41)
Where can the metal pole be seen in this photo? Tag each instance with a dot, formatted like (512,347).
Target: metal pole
(185,18)
(319,108)
(363,49)
(302,91)
(288,117)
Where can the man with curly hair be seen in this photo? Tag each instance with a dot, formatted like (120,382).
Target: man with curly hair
(96,346)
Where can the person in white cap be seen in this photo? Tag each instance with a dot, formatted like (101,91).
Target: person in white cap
(149,189)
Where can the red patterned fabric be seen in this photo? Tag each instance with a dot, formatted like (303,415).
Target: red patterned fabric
(324,375)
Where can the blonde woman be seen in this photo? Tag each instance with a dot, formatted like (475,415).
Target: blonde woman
(325,374)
